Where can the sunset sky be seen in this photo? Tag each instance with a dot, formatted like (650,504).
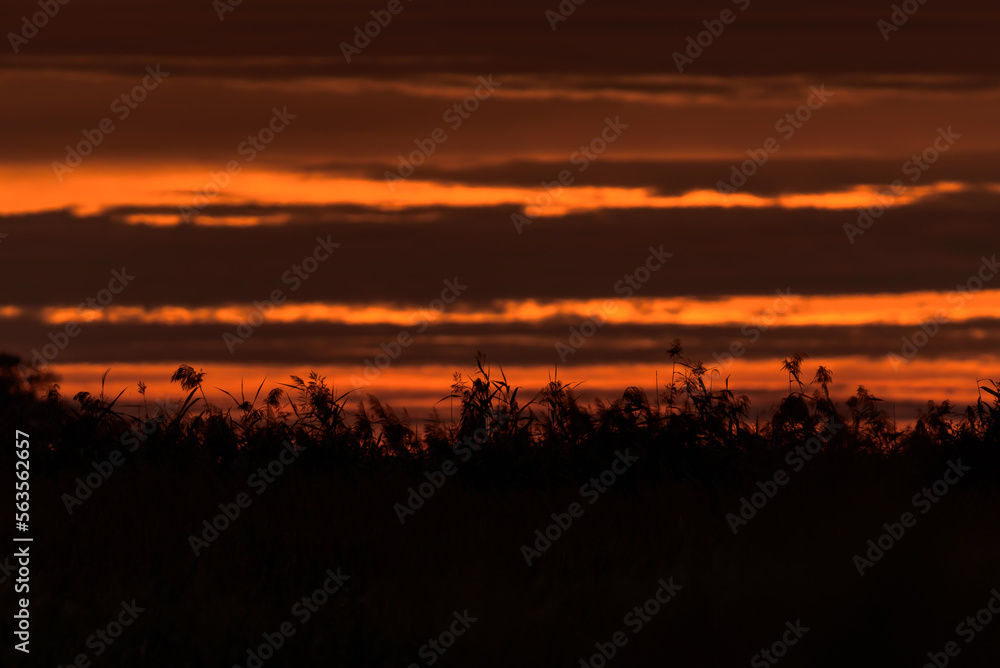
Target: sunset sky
(240,142)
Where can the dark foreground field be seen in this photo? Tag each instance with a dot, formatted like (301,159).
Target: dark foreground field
(658,491)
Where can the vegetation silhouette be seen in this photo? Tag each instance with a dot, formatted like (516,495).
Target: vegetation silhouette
(689,414)
(699,455)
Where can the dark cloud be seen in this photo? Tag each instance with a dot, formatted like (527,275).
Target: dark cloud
(64,259)
(676,177)
(506,344)
(770,36)
(192,119)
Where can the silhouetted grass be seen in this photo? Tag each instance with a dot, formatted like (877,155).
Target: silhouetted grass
(699,455)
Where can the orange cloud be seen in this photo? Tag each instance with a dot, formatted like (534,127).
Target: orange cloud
(782,308)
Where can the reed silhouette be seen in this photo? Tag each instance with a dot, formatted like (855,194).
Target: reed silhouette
(699,454)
